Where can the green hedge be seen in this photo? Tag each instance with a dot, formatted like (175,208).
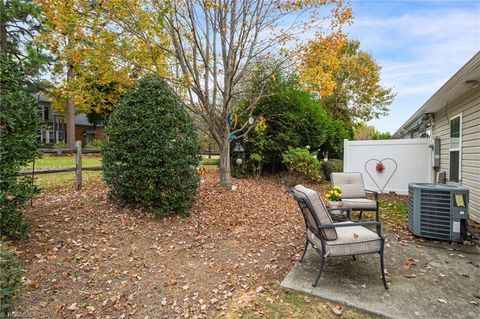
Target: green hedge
(10,275)
(20,124)
(152,152)
(330,166)
(287,117)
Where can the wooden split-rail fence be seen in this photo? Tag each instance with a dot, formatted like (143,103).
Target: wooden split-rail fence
(78,169)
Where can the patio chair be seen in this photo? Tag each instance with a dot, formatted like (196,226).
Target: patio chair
(335,239)
(354,194)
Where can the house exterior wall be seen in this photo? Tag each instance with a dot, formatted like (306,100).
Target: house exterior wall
(80,133)
(469,108)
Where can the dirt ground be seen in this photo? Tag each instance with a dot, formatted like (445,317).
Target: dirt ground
(87,256)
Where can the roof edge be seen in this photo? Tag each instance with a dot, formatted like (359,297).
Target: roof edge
(453,80)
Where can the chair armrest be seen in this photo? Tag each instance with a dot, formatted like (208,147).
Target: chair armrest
(352,224)
(375,193)
(344,209)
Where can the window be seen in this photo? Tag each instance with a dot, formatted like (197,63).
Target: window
(46,111)
(455,148)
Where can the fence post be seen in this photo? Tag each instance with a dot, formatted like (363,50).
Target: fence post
(78,184)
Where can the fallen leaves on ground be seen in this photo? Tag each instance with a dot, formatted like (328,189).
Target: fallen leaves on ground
(87,255)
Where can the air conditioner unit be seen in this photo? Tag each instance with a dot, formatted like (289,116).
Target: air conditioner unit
(438,211)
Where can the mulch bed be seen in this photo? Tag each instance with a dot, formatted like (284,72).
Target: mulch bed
(87,256)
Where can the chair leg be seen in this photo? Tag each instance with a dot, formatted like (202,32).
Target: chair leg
(304,251)
(383,269)
(322,264)
(361,212)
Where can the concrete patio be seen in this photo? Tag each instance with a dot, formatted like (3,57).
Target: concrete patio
(428,280)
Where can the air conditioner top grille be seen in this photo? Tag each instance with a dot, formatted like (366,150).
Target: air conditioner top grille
(437,187)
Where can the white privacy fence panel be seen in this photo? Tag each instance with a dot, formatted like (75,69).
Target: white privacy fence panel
(390,165)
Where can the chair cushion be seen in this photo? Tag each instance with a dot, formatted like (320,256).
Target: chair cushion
(360,203)
(313,200)
(354,240)
(351,184)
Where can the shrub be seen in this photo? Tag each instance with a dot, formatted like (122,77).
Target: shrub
(290,117)
(301,162)
(20,124)
(10,274)
(94,144)
(330,166)
(152,151)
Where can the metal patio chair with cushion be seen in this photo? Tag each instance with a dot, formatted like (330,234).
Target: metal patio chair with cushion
(335,239)
(354,194)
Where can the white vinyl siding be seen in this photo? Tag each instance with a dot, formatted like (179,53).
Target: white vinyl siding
(469,108)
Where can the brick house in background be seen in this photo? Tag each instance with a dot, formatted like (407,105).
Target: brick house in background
(56,127)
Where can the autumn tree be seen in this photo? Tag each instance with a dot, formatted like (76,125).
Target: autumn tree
(364,131)
(354,92)
(87,76)
(211,46)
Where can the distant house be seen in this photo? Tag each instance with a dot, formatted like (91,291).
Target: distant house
(55,131)
(452,115)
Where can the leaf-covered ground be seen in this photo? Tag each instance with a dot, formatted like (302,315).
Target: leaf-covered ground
(87,256)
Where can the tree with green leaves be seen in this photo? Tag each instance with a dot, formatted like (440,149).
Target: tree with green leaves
(20,121)
(20,24)
(289,118)
(20,124)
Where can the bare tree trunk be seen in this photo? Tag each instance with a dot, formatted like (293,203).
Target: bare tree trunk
(70,114)
(225,173)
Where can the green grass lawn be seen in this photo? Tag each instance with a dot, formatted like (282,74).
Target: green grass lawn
(64,161)
(211,163)
(394,209)
(48,181)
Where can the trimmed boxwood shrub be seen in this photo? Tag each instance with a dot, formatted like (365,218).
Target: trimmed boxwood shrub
(302,163)
(20,124)
(10,275)
(152,151)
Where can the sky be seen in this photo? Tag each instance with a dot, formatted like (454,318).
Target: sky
(419,44)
